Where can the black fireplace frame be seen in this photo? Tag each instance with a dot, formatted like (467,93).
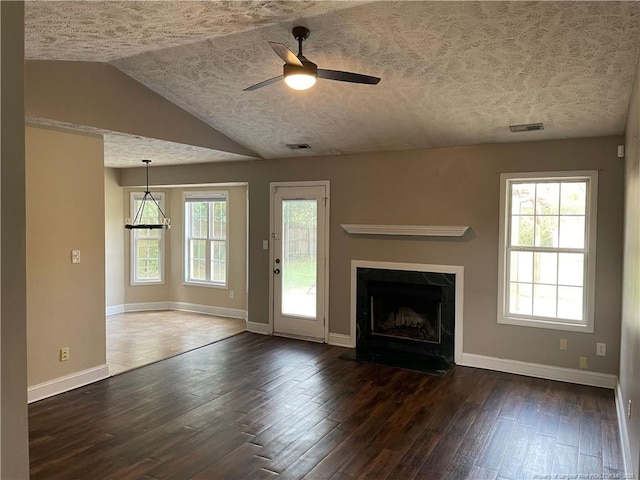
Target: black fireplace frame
(374,346)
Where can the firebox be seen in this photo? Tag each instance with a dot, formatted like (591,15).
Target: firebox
(405,318)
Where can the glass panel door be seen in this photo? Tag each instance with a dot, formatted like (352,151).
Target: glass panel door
(299,257)
(298,260)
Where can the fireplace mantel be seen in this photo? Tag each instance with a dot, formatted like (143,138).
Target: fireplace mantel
(406,230)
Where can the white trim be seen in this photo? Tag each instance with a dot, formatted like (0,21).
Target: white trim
(67,382)
(261,328)
(202,196)
(456,270)
(114,309)
(549,372)
(341,340)
(186,307)
(160,197)
(621,409)
(327,234)
(146,306)
(504,317)
(410,230)
(209,310)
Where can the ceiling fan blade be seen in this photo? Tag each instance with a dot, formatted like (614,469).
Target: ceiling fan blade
(264,83)
(285,54)
(347,77)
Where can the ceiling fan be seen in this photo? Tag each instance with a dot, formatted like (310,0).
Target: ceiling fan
(301,74)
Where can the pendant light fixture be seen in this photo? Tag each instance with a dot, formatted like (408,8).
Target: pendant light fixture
(138,221)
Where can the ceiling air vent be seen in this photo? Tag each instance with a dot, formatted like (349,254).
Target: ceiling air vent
(526,127)
(298,146)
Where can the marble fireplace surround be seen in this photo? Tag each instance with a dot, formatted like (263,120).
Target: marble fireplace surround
(456,270)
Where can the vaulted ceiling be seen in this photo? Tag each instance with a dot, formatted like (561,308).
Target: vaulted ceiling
(453,73)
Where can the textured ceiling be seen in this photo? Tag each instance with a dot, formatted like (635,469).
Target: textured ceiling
(453,73)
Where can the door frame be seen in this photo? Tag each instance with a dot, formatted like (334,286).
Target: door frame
(327,223)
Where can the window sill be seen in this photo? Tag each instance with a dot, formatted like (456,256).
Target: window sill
(549,324)
(146,284)
(205,284)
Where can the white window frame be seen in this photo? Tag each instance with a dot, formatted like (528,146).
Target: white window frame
(587,323)
(207,196)
(135,281)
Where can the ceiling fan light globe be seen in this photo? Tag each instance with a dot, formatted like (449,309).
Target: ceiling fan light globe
(300,81)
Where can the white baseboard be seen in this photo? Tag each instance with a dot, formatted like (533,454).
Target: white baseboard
(146,306)
(209,310)
(569,375)
(180,306)
(621,409)
(114,309)
(261,328)
(66,383)
(340,340)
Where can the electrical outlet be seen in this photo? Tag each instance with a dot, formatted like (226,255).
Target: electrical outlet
(563,344)
(64,354)
(629,408)
(75,256)
(583,363)
(232,294)
(601,349)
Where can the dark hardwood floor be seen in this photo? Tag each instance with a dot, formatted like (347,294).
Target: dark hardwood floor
(261,407)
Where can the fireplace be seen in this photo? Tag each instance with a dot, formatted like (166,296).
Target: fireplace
(406,314)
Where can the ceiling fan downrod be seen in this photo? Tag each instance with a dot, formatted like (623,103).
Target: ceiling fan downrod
(300,34)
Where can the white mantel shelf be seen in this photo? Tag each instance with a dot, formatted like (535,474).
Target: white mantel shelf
(406,230)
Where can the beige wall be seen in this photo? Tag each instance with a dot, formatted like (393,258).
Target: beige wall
(237,253)
(14,443)
(173,289)
(630,341)
(114,239)
(448,186)
(96,94)
(65,211)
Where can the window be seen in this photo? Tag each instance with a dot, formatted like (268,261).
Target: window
(205,241)
(547,250)
(147,245)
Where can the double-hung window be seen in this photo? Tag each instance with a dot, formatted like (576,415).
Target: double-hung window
(147,249)
(547,250)
(205,242)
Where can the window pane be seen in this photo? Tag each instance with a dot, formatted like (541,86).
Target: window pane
(571,269)
(547,198)
(199,216)
(573,198)
(545,268)
(572,232)
(546,232)
(522,267)
(570,303)
(219,220)
(520,298)
(218,261)
(522,198)
(299,257)
(147,260)
(544,300)
(198,259)
(522,231)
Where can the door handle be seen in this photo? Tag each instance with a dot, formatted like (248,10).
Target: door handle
(276,271)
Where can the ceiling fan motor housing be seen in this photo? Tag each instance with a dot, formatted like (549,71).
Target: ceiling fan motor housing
(307,68)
